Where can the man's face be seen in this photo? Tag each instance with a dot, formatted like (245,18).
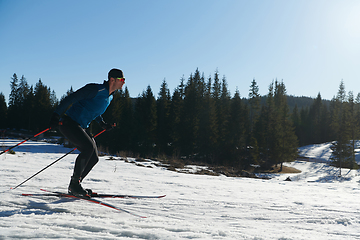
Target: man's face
(119,83)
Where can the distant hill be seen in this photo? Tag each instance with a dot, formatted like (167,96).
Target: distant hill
(301,102)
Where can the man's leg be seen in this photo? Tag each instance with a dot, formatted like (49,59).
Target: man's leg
(88,155)
(94,159)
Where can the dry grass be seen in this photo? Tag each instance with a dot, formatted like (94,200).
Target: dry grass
(285,169)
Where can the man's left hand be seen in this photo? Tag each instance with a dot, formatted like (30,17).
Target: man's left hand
(107,126)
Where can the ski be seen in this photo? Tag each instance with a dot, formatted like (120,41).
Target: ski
(59,194)
(97,195)
(40,194)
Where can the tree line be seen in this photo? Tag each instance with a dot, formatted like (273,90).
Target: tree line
(201,121)
(28,106)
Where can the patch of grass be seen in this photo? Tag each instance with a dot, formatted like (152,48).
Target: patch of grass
(285,169)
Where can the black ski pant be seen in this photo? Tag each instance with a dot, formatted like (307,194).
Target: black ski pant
(84,142)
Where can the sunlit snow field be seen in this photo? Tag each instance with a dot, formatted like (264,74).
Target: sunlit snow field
(317,204)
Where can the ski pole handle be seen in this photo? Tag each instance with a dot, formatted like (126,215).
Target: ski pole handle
(24,141)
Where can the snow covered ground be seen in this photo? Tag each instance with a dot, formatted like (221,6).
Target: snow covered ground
(317,204)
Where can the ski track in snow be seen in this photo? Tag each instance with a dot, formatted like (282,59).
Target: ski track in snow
(317,204)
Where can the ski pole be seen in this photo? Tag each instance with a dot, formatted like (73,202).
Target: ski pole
(51,164)
(25,141)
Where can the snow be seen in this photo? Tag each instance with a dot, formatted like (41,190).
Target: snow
(322,152)
(316,204)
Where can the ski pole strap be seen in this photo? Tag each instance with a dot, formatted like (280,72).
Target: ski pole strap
(24,141)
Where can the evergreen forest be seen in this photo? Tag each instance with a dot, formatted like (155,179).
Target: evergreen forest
(201,122)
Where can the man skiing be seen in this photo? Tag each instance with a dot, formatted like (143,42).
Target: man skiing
(86,104)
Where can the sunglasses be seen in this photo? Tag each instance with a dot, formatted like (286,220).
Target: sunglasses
(121,79)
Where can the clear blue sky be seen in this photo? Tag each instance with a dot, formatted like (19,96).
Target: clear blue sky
(310,45)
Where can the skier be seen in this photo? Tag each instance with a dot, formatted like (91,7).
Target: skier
(86,104)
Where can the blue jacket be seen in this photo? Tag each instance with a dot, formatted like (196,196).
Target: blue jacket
(88,103)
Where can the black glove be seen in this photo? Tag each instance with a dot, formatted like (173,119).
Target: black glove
(54,121)
(107,126)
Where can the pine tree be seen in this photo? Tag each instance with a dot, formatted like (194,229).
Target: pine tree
(315,114)
(279,142)
(126,135)
(352,125)
(23,90)
(53,99)
(223,118)
(43,107)
(337,108)
(314,123)
(254,105)
(342,149)
(357,115)
(190,115)
(28,114)
(175,118)
(14,94)
(145,122)
(3,111)
(18,113)
(208,132)
(261,136)
(225,108)
(163,120)
(254,102)
(26,104)
(14,103)
(343,152)
(237,134)
(216,89)
(271,130)
(287,139)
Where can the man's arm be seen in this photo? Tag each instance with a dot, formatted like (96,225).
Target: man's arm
(86,92)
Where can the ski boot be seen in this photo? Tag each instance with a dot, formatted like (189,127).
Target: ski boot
(76,189)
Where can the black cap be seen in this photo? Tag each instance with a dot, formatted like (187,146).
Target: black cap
(115,73)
